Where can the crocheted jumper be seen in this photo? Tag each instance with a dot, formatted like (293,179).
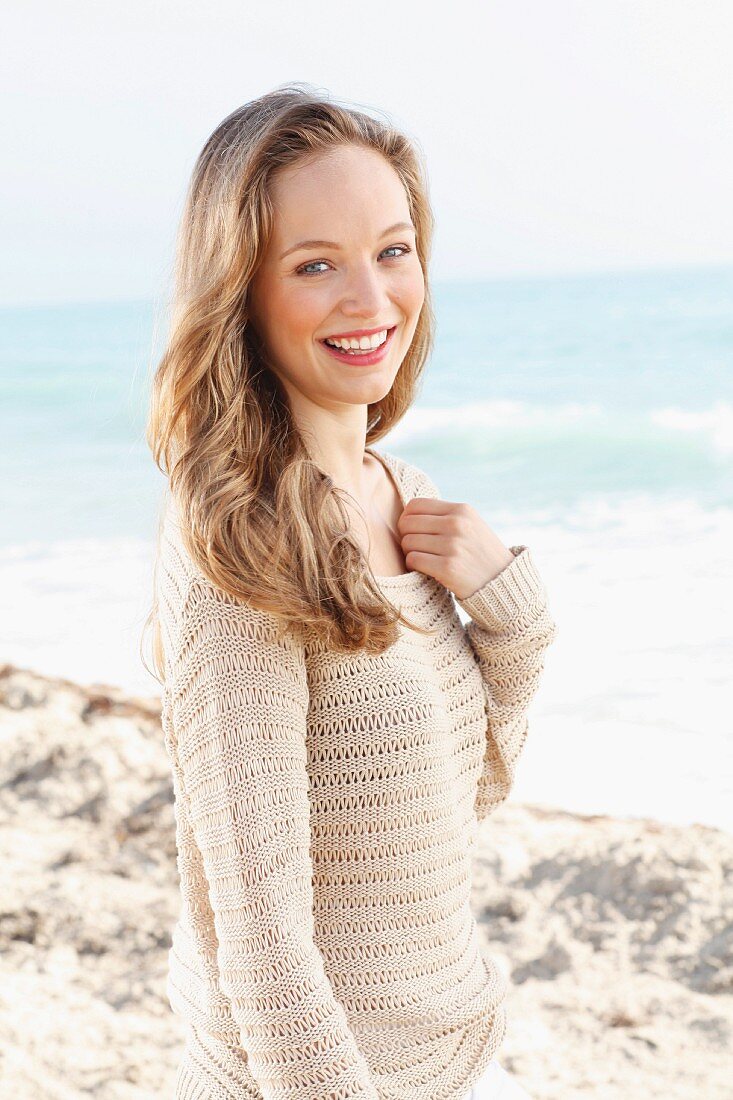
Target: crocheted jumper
(326,815)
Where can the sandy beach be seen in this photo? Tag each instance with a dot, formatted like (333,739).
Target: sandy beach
(617,932)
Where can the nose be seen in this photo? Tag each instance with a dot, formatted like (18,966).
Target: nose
(365,295)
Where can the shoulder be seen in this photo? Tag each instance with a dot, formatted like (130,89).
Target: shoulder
(173,556)
(187,595)
(412,479)
(215,638)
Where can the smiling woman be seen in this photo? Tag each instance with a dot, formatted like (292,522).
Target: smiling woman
(304,222)
(332,751)
(352,279)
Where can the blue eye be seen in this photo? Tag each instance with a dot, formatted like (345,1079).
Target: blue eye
(312,263)
(302,271)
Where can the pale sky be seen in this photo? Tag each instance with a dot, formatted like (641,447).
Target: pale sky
(561,136)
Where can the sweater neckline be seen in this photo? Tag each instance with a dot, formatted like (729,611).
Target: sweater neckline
(413,576)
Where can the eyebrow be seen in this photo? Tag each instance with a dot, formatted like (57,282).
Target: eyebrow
(334,244)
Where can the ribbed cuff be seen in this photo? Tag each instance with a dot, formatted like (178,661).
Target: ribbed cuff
(516,595)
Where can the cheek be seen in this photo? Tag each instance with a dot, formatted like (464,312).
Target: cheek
(410,291)
(300,311)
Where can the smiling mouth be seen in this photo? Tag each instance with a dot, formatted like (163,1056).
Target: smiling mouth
(366,356)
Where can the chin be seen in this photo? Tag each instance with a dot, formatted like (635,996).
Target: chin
(370,391)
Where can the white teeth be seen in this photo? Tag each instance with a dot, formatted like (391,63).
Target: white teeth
(363,343)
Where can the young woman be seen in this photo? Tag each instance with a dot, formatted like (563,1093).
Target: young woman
(335,732)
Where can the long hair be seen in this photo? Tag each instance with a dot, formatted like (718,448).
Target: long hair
(259,518)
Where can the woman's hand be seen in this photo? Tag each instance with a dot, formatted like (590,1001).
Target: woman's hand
(450,542)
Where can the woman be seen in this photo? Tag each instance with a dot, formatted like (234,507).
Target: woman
(335,732)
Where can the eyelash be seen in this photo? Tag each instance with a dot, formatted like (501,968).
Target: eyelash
(300,271)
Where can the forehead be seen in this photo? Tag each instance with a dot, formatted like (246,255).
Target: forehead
(338,194)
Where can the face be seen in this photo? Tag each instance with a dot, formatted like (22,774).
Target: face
(368,276)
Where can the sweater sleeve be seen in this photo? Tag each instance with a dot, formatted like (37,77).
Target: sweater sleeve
(509,629)
(239,705)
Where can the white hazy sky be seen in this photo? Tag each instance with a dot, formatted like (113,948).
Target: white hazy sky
(560,135)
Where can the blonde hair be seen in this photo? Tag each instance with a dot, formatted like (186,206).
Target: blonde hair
(259,517)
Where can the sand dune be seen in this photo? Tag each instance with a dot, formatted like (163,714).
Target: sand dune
(618,933)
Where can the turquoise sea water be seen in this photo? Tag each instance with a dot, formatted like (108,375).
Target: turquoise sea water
(540,393)
(588,417)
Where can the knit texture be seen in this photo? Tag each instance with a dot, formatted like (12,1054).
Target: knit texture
(326,811)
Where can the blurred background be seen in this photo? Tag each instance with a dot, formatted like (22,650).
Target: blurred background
(580,159)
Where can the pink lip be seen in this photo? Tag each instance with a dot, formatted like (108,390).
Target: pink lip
(357,332)
(368,358)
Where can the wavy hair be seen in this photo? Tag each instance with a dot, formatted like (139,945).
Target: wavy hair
(259,518)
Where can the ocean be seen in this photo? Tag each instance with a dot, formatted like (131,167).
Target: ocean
(588,417)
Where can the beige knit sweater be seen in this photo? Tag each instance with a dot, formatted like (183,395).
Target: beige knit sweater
(326,811)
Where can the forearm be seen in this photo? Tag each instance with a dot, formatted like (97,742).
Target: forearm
(510,629)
